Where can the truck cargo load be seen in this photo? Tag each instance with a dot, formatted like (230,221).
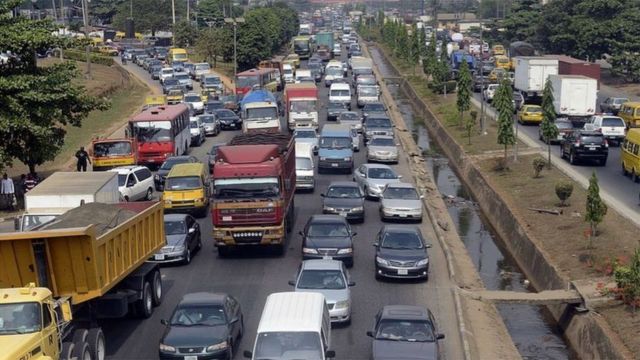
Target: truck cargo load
(531,72)
(521,48)
(254,182)
(574,96)
(259,112)
(571,66)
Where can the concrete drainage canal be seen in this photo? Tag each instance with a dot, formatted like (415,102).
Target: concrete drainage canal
(532,328)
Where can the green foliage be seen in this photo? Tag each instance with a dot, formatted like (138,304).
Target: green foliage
(430,61)
(463,101)
(104,9)
(548,128)
(37,102)
(503,102)
(538,164)
(149,15)
(564,189)
(185,34)
(213,43)
(627,279)
(211,13)
(596,208)
(414,50)
(79,55)
(470,124)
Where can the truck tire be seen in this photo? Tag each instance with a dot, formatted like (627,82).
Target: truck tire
(66,353)
(156,285)
(96,342)
(144,306)
(80,336)
(81,351)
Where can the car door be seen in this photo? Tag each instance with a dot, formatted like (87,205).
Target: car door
(231,311)
(131,184)
(144,181)
(360,176)
(191,235)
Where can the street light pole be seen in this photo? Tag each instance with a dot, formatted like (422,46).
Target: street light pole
(234,22)
(483,129)
(85,16)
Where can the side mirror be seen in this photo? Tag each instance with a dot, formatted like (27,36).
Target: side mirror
(130,184)
(248,354)
(164,322)
(192,230)
(234,320)
(322,195)
(301,233)
(354,234)
(292,283)
(399,176)
(428,246)
(352,283)
(421,196)
(439,336)
(330,354)
(375,244)
(370,333)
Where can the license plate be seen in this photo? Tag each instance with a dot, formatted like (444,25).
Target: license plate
(152,160)
(403,272)
(342,214)
(403,215)
(334,165)
(327,258)
(233,125)
(159,257)
(191,358)
(592,147)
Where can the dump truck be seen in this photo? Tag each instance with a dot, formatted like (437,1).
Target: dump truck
(63,191)
(89,264)
(254,182)
(301,105)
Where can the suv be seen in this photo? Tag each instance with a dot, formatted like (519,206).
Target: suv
(585,145)
(134,182)
(612,127)
(612,104)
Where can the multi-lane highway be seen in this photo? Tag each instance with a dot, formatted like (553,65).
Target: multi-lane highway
(252,277)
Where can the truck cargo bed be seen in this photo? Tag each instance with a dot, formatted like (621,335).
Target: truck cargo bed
(105,245)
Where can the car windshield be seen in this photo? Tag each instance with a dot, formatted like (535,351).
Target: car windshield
(171,81)
(400,193)
(305,134)
(262,113)
(613,121)
(349,192)
(112,148)
(368,91)
(303,163)
(533,109)
(156,131)
(182,77)
(288,345)
(175,227)
(620,101)
(211,80)
(303,106)
(225,114)
(335,142)
(340,93)
(192,98)
(202,67)
(247,187)
(19,318)
(592,139)
(193,124)
(366,80)
(215,105)
(335,106)
(373,108)
(321,279)
(349,116)
(169,163)
(183,183)
(193,315)
(334,71)
(378,122)
(405,330)
(401,240)
(328,230)
(382,142)
(382,173)
(564,125)
(207,119)
(248,81)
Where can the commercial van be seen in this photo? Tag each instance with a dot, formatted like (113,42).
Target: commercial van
(341,93)
(305,179)
(630,154)
(293,325)
(178,54)
(187,189)
(630,113)
(335,148)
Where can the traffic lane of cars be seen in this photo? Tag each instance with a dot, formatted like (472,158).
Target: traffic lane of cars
(610,176)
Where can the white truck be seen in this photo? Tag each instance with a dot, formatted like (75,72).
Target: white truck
(575,97)
(531,73)
(63,191)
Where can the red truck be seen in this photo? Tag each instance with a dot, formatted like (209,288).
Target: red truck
(572,66)
(254,184)
(301,105)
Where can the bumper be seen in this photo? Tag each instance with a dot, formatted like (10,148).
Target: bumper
(400,215)
(231,125)
(392,158)
(220,355)
(153,160)
(529,119)
(373,192)
(335,164)
(308,184)
(248,235)
(616,138)
(347,259)
(167,258)
(402,272)
(590,155)
(349,215)
(185,206)
(341,315)
(208,131)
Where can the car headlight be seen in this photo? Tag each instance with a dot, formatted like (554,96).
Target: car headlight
(381,261)
(341,304)
(178,248)
(221,346)
(327,208)
(358,209)
(322,158)
(167,201)
(348,158)
(167,348)
(345,251)
(423,262)
(309,251)
(157,177)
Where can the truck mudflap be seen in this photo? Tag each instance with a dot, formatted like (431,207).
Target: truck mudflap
(250,235)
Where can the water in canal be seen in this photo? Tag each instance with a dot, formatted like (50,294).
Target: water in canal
(533,331)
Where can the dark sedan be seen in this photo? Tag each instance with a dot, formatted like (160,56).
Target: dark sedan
(183,239)
(328,237)
(211,156)
(401,252)
(344,198)
(334,109)
(228,119)
(203,326)
(405,332)
(163,171)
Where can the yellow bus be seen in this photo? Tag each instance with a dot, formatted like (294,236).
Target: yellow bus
(178,54)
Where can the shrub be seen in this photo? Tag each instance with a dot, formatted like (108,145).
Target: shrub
(564,189)
(439,88)
(627,279)
(81,56)
(538,164)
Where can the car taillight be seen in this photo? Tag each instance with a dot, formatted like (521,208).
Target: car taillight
(599,130)
(577,143)
(606,143)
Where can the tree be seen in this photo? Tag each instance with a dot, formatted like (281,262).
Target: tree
(148,15)
(627,279)
(414,49)
(104,9)
(430,61)
(463,101)
(596,208)
(212,12)
(37,102)
(548,127)
(470,123)
(503,102)
(185,34)
(214,43)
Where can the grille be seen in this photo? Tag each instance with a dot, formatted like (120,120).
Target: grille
(345,210)
(151,154)
(182,203)
(402,263)
(330,306)
(247,237)
(379,133)
(190,350)
(325,251)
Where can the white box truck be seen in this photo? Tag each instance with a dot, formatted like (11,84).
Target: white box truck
(63,191)
(575,97)
(531,73)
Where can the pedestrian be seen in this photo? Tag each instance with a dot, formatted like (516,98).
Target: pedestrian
(8,191)
(82,157)
(30,182)
(20,190)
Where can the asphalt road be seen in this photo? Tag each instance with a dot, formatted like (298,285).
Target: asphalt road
(610,177)
(252,277)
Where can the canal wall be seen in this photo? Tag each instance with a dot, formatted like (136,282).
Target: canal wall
(588,334)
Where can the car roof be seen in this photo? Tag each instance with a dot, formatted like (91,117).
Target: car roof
(405,312)
(343,183)
(203,298)
(175,217)
(186,169)
(127,169)
(377,166)
(327,219)
(401,185)
(321,264)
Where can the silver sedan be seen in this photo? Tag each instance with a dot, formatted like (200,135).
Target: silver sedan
(372,178)
(400,201)
(382,149)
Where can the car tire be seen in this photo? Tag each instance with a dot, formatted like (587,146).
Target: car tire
(187,257)
(81,351)
(634,176)
(199,245)
(572,158)
(224,252)
(149,195)
(602,162)
(624,171)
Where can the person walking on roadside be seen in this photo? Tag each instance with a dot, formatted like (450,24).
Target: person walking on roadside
(82,157)
(20,190)
(8,191)
(30,182)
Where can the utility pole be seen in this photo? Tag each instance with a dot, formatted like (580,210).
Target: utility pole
(87,49)
(234,22)
(173,16)
(483,127)
(188,8)
(63,27)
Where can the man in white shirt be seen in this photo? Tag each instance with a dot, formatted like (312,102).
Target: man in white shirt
(8,191)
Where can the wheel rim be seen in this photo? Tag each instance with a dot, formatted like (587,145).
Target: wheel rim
(148,302)
(158,286)
(86,355)
(188,256)
(100,350)
(149,194)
